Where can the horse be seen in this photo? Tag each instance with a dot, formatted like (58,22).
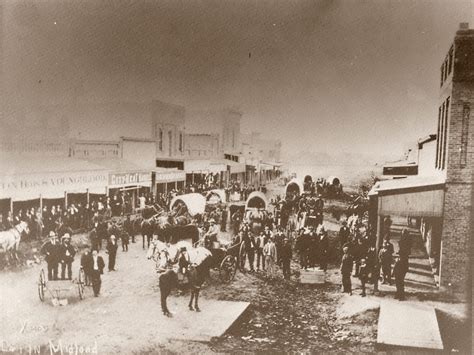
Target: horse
(10,239)
(198,265)
(147,230)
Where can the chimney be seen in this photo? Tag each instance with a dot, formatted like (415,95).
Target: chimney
(464,26)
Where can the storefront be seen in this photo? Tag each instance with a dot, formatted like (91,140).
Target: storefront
(206,172)
(29,182)
(169,179)
(236,171)
(409,198)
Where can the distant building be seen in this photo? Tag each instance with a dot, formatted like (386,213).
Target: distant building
(441,195)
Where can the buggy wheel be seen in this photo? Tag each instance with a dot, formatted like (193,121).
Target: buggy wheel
(242,256)
(80,283)
(228,269)
(41,285)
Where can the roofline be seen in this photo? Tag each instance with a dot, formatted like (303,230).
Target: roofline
(427,139)
(403,190)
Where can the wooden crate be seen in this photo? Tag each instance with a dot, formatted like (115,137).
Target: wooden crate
(312,276)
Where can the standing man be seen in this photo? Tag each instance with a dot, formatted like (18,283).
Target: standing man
(125,238)
(249,244)
(128,226)
(86,259)
(344,234)
(279,237)
(270,254)
(51,249)
(112,251)
(223,219)
(363,275)
(385,260)
(260,244)
(346,270)
(399,272)
(67,257)
(286,255)
(96,264)
(323,249)
(236,220)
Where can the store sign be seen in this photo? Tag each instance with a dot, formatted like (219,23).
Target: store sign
(129,178)
(170,176)
(52,185)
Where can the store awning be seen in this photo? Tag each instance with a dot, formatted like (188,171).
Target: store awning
(27,177)
(410,197)
(266,166)
(125,173)
(235,168)
(169,175)
(196,166)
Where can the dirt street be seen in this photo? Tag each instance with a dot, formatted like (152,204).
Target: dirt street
(127,317)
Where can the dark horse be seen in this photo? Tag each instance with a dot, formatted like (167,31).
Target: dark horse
(174,233)
(196,275)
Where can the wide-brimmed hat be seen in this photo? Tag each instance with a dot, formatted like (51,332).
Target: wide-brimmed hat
(66,236)
(52,234)
(212,220)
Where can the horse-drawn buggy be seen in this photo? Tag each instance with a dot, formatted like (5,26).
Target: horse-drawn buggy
(56,288)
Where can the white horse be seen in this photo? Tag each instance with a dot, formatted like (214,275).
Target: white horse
(10,239)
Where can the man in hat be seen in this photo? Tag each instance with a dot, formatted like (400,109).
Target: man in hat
(385,260)
(363,275)
(346,270)
(400,270)
(86,259)
(112,247)
(95,267)
(52,250)
(344,234)
(67,256)
(286,255)
(323,247)
(236,220)
(212,232)
(261,240)
(128,227)
(270,254)
(249,244)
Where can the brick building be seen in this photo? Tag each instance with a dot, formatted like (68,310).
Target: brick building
(442,195)
(455,155)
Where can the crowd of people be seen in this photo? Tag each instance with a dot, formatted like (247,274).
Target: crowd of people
(274,245)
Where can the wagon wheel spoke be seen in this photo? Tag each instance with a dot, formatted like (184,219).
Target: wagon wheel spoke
(41,285)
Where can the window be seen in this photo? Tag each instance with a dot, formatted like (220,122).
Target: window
(450,59)
(181,147)
(160,140)
(464,134)
(445,133)
(442,75)
(170,142)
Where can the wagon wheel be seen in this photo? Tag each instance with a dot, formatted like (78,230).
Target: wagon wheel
(242,256)
(81,283)
(228,268)
(41,285)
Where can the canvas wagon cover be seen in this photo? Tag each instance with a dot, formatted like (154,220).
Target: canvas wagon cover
(257,199)
(196,203)
(293,184)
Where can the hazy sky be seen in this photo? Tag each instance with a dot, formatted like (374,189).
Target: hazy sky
(359,76)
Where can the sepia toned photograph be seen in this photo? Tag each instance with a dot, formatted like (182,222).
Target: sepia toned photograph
(236,176)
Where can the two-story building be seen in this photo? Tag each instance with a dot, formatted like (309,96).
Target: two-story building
(442,192)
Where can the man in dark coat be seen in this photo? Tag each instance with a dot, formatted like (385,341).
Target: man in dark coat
(249,244)
(95,267)
(125,238)
(346,270)
(67,257)
(344,234)
(385,259)
(52,251)
(286,255)
(323,249)
(223,219)
(128,227)
(363,275)
(399,272)
(86,258)
(112,247)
